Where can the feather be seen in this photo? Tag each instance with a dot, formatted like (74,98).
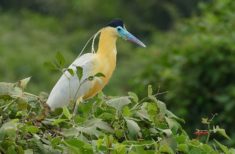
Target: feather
(68,88)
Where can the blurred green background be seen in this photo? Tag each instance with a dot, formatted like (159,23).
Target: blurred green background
(190,51)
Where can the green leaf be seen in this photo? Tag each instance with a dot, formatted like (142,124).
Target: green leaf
(143,113)
(150,90)
(162,106)
(133,96)
(173,116)
(10,89)
(152,109)
(28,151)
(51,66)
(71,72)
(182,138)
(32,129)
(55,141)
(205,121)
(231,151)
(70,132)
(98,123)
(99,75)
(108,139)
(107,116)
(11,150)
(222,147)
(22,105)
(9,129)
(104,126)
(217,129)
(133,127)
(118,103)
(90,130)
(21,113)
(165,148)
(58,121)
(37,145)
(90,78)
(183,148)
(60,59)
(23,83)
(126,111)
(66,113)
(75,145)
(79,72)
(173,124)
(10,125)
(83,138)
(119,133)
(120,149)
(167,132)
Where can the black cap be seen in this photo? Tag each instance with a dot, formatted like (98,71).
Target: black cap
(115,23)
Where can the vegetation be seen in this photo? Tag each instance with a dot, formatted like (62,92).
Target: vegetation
(194,64)
(125,124)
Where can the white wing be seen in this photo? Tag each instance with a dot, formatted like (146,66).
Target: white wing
(68,87)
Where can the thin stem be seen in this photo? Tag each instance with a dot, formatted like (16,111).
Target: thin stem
(209,127)
(9,104)
(76,107)
(158,93)
(145,99)
(138,145)
(209,133)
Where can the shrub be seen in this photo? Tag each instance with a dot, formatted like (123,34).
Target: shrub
(196,66)
(103,125)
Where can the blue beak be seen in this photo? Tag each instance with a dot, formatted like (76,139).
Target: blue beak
(128,36)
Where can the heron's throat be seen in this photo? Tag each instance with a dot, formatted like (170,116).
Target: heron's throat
(107,42)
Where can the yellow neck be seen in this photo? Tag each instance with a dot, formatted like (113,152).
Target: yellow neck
(107,42)
(106,59)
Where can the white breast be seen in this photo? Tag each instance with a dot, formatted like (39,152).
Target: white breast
(68,88)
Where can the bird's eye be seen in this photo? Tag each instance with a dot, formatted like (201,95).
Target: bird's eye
(119,29)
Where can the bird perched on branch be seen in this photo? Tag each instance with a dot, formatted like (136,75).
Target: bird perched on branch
(90,72)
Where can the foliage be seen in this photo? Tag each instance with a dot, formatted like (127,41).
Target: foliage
(102,125)
(195,65)
(27,41)
(160,14)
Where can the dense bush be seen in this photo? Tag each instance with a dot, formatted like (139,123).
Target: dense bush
(195,64)
(120,125)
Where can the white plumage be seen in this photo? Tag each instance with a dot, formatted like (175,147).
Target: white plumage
(67,86)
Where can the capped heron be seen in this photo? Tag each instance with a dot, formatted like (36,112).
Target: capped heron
(69,88)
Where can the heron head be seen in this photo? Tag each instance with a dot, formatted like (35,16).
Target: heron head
(123,33)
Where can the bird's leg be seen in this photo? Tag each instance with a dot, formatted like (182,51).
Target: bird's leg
(75,108)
